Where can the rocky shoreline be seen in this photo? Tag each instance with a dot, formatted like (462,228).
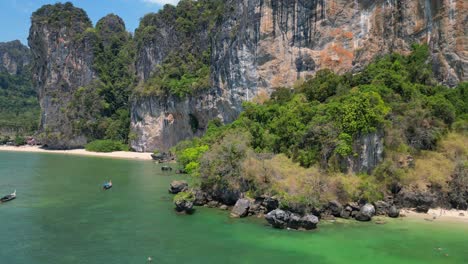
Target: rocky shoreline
(271,210)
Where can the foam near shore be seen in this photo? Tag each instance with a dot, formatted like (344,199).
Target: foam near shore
(81,152)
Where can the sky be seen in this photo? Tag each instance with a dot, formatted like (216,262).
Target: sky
(15,14)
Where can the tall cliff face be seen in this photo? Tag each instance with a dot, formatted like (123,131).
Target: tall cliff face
(62,60)
(182,35)
(14,57)
(276,42)
(258,45)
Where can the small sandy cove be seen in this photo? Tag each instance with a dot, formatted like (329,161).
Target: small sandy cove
(82,152)
(439,214)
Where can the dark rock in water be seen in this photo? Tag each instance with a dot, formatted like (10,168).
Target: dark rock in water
(166,168)
(201,198)
(278,218)
(294,221)
(241,208)
(335,208)
(366,213)
(178,186)
(184,206)
(309,221)
(381,208)
(393,212)
(158,157)
(213,204)
(270,203)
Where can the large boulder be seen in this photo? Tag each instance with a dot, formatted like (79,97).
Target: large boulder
(421,201)
(183,202)
(270,203)
(346,212)
(294,221)
(366,213)
(309,221)
(178,186)
(241,208)
(381,208)
(393,212)
(278,218)
(201,198)
(335,208)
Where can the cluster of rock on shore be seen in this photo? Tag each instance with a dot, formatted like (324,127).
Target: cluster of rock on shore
(269,208)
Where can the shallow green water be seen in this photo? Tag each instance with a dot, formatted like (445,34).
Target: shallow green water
(62,216)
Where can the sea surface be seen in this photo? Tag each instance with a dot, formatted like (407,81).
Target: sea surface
(62,216)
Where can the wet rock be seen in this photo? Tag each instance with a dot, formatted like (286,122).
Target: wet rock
(294,221)
(278,218)
(241,208)
(166,168)
(184,202)
(213,204)
(178,186)
(309,221)
(366,213)
(224,207)
(381,208)
(393,212)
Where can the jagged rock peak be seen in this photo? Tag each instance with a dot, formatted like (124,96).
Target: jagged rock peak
(109,27)
(62,15)
(62,59)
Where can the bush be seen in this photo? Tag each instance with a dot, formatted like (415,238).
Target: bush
(106,146)
(184,196)
(20,141)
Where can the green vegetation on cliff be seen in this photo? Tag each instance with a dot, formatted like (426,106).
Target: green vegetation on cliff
(19,107)
(300,144)
(101,110)
(188,69)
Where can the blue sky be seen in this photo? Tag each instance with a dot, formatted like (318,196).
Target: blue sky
(15,14)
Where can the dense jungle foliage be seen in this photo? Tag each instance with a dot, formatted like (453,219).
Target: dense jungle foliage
(294,145)
(19,107)
(101,110)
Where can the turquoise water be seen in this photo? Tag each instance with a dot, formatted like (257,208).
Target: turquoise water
(62,216)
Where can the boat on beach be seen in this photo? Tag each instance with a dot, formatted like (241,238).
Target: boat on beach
(8,197)
(107,185)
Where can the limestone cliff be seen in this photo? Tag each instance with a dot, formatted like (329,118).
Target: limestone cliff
(62,60)
(258,45)
(14,57)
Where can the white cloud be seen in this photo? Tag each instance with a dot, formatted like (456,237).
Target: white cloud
(162,2)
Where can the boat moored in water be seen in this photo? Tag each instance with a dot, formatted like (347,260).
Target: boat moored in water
(107,185)
(8,197)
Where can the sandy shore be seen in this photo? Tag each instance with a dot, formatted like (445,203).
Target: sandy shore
(439,215)
(81,152)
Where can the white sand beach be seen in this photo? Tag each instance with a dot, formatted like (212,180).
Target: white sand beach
(82,152)
(438,214)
